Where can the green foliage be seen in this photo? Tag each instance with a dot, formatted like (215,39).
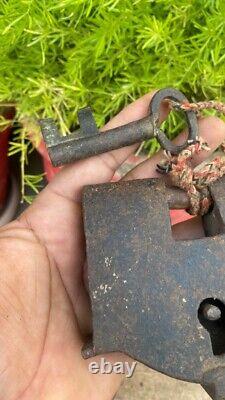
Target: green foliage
(58,56)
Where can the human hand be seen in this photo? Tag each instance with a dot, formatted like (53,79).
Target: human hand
(44,306)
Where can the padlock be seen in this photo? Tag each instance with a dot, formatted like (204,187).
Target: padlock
(159,300)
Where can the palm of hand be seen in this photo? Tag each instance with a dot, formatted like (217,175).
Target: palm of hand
(44,306)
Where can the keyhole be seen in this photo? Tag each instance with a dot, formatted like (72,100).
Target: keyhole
(211,314)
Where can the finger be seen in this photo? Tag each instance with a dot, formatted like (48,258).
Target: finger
(101,168)
(211,129)
(191,229)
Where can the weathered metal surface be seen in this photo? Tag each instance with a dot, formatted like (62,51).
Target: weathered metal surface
(178,97)
(159,300)
(214,383)
(150,294)
(88,141)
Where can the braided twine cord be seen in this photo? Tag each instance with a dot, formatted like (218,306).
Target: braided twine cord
(195,181)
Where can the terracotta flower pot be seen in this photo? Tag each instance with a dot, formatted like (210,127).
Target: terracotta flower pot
(12,199)
(4,166)
(9,192)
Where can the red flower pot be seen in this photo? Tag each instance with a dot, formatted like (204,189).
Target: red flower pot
(9,192)
(4,166)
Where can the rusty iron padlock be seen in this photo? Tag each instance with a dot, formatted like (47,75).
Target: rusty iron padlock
(158,300)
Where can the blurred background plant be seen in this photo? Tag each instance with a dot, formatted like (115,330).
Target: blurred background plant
(58,56)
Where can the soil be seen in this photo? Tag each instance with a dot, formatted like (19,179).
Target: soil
(147,384)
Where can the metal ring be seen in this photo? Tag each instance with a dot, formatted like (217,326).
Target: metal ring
(191,118)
